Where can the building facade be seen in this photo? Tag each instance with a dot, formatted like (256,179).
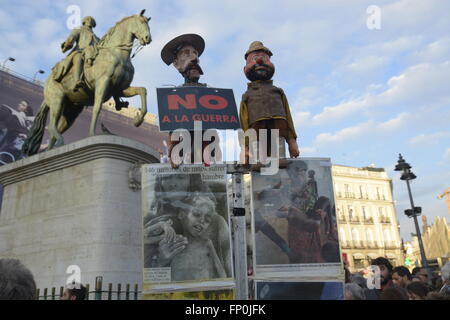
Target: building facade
(365,211)
(436,243)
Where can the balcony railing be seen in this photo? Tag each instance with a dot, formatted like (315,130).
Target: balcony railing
(368,220)
(390,245)
(346,244)
(372,244)
(358,244)
(385,220)
(349,195)
(354,219)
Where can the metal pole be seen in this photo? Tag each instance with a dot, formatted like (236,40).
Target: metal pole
(239,237)
(419,235)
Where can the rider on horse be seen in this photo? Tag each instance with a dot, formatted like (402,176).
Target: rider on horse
(84,43)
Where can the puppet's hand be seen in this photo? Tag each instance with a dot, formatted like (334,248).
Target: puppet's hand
(293,148)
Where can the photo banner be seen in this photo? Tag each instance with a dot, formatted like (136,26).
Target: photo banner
(287,290)
(186,233)
(294,222)
(179,107)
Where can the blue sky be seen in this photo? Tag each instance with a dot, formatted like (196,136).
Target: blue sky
(358,96)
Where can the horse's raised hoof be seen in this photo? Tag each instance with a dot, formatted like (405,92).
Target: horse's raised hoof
(59,142)
(79,85)
(138,120)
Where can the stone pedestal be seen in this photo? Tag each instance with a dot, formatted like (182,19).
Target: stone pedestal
(73,206)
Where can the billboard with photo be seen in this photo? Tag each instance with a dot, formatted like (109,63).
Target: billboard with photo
(281,290)
(20,99)
(187,240)
(294,221)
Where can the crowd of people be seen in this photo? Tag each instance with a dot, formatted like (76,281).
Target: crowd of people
(399,283)
(17,283)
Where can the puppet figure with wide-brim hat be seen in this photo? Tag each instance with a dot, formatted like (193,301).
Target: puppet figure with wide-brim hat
(263,105)
(184,52)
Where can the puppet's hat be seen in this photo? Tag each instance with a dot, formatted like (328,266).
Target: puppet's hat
(257,46)
(169,52)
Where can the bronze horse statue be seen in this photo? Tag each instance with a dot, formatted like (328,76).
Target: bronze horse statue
(109,76)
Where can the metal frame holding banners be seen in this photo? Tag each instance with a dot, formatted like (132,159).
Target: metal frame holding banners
(321,269)
(179,107)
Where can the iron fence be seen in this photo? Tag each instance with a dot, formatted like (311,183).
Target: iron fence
(126,292)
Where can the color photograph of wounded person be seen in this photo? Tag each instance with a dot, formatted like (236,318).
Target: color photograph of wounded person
(294,215)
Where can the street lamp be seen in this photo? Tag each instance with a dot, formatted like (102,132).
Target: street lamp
(6,60)
(407,175)
(39,71)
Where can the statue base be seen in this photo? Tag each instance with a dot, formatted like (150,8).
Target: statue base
(73,206)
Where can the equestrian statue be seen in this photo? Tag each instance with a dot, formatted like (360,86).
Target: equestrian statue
(93,72)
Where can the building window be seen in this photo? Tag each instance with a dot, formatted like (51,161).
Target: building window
(359,263)
(342,236)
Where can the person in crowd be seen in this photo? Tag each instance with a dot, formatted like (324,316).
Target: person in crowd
(420,273)
(445,275)
(401,276)
(385,278)
(394,293)
(347,273)
(417,290)
(354,292)
(74,291)
(359,280)
(16,281)
(437,296)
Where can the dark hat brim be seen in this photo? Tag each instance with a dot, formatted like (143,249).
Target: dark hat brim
(168,53)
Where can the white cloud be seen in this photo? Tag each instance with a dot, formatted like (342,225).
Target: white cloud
(307,151)
(417,85)
(436,51)
(447,155)
(427,139)
(362,130)
(301,118)
(367,64)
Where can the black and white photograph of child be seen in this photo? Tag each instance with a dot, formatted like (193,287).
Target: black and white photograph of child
(186,223)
